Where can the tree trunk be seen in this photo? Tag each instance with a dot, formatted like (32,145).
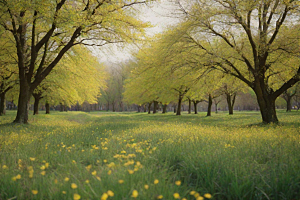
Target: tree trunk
(145,109)
(175,110)
(36,106)
(209,106)
(190,106)
(24,97)
(164,108)
(195,106)
(61,107)
(266,105)
(47,105)
(139,108)
(113,107)
(179,104)
(216,107)
(3,104)
(155,107)
(230,102)
(149,107)
(289,104)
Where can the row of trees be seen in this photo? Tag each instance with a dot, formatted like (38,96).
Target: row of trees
(219,44)
(42,36)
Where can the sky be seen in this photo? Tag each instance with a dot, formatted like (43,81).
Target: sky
(160,15)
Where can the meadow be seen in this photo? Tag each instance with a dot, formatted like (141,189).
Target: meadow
(105,155)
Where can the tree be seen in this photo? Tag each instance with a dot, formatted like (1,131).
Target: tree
(228,30)
(51,28)
(77,79)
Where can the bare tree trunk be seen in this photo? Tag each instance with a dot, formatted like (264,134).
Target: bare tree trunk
(24,97)
(209,105)
(190,106)
(139,108)
(47,105)
(179,104)
(155,107)
(165,108)
(149,107)
(3,104)
(230,102)
(175,110)
(195,106)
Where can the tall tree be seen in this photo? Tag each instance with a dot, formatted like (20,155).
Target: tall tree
(251,40)
(51,28)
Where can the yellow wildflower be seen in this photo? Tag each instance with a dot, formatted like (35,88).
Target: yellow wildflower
(18,176)
(183,199)
(73,186)
(87,181)
(121,181)
(176,195)
(178,183)
(192,192)
(200,198)
(134,193)
(208,196)
(67,179)
(99,179)
(104,196)
(146,187)
(34,192)
(105,161)
(110,193)
(43,167)
(64,192)
(43,173)
(46,165)
(160,197)
(88,167)
(94,173)
(4,167)
(32,159)
(130,171)
(156,181)
(76,197)
(196,195)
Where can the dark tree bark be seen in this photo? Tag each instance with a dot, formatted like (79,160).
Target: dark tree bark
(113,107)
(3,104)
(165,108)
(195,106)
(190,106)
(107,109)
(175,110)
(230,102)
(37,98)
(288,96)
(149,107)
(180,97)
(145,109)
(155,104)
(139,108)
(47,105)
(209,105)
(61,107)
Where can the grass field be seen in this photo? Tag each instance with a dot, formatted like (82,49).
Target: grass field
(101,155)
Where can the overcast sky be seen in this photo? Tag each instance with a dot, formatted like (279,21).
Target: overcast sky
(160,15)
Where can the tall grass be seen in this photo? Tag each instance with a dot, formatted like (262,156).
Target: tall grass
(110,155)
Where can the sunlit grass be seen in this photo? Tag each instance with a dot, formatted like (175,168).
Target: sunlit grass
(78,155)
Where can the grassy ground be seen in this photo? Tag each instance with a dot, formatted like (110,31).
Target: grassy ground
(101,155)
